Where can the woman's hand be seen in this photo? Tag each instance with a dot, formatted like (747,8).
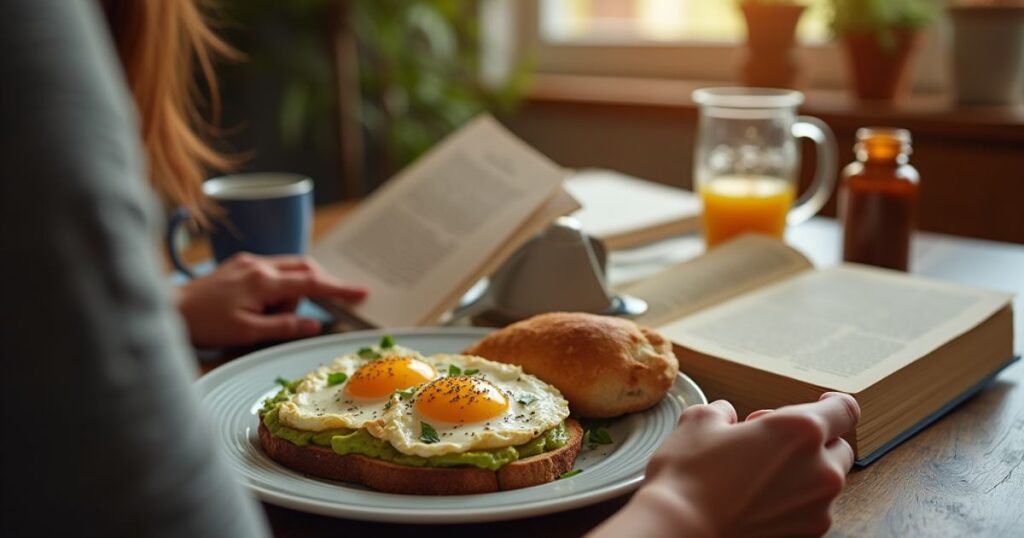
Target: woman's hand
(775,474)
(250,299)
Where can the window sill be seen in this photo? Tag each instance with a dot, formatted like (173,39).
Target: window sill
(923,114)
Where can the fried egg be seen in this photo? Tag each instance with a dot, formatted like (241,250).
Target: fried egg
(354,389)
(480,404)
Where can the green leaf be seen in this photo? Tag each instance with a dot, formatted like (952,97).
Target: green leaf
(293,113)
(571,473)
(471,371)
(387,341)
(407,393)
(428,434)
(850,16)
(453,370)
(336,378)
(597,434)
(368,353)
(286,385)
(526,398)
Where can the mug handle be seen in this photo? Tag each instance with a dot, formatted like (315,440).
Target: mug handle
(178,218)
(824,177)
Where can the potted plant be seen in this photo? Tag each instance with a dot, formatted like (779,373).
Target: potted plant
(988,51)
(771,33)
(880,38)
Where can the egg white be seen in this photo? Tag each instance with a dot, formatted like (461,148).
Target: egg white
(317,406)
(400,423)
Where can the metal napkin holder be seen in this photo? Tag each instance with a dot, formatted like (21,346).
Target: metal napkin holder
(560,269)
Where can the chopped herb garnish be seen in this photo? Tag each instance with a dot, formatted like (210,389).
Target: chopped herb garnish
(407,393)
(286,385)
(428,434)
(597,434)
(287,388)
(335,378)
(571,473)
(526,398)
(368,353)
(454,370)
(472,371)
(387,341)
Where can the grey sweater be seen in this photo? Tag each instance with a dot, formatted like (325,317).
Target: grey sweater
(103,434)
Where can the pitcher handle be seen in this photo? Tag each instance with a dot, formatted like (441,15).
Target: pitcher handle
(824,177)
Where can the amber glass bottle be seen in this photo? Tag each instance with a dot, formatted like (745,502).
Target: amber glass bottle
(878,199)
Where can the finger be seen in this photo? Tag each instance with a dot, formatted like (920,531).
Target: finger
(716,412)
(293,263)
(290,285)
(841,412)
(288,305)
(840,453)
(836,413)
(757,414)
(261,328)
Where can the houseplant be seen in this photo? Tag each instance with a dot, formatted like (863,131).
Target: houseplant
(771,33)
(419,76)
(880,38)
(988,51)
(411,77)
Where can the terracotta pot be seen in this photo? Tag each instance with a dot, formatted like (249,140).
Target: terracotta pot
(988,54)
(771,34)
(881,66)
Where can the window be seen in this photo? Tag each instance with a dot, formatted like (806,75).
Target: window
(688,39)
(660,21)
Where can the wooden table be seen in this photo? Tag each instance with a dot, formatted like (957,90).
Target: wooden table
(962,476)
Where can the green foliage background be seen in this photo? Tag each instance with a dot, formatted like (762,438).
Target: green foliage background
(881,15)
(419,65)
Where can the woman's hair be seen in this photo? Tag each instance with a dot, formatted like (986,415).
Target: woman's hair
(160,42)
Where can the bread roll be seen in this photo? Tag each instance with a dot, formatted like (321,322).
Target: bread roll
(604,366)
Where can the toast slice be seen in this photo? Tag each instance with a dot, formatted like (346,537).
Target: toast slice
(393,478)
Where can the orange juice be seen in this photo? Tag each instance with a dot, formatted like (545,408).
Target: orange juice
(737,204)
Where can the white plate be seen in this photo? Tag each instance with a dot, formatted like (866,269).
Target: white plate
(232,394)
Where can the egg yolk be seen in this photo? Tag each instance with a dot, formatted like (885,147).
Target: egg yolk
(384,376)
(461,399)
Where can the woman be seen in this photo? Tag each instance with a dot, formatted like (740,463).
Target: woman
(104,434)
(159,43)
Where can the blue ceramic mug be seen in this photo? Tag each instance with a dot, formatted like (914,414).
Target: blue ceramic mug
(264,213)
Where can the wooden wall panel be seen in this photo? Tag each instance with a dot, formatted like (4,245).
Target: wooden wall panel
(972,175)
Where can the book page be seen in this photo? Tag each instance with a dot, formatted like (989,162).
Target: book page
(625,211)
(561,203)
(731,269)
(430,229)
(844,328)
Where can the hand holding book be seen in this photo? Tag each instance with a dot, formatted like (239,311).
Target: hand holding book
(452,217)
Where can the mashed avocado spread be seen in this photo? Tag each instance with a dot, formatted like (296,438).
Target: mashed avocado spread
(346,441)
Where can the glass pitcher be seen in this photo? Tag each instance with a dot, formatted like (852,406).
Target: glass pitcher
(747,160)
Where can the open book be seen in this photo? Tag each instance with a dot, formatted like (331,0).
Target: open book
(755,324)
(437,227)
(624,211)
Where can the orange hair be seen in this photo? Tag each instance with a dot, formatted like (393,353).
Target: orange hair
(159,42)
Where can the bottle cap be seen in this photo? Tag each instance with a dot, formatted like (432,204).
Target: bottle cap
(882,143)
